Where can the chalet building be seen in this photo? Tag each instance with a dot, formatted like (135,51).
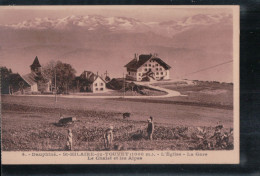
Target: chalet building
(146,68)
(90,82)
(36,80)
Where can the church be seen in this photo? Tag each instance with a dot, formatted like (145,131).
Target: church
(35,80)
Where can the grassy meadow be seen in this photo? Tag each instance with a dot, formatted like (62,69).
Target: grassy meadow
(181,123)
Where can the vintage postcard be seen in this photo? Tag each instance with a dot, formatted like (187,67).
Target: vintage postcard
(119,84)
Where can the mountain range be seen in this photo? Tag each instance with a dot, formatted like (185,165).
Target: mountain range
(99,43)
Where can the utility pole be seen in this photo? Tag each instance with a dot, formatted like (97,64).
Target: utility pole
(55,87)
(124,84)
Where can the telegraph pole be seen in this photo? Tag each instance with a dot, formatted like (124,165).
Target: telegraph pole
(55,87)
(124,83)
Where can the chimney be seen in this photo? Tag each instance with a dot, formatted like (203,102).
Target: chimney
(136,57)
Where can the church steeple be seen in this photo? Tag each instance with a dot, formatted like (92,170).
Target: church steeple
(36,66)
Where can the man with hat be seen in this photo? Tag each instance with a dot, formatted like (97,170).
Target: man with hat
(69,140)
(150,128)
(108,137)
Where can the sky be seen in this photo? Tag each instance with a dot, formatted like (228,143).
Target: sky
(185,48)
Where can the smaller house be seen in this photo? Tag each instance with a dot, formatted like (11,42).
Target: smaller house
(17,84)
(90,82)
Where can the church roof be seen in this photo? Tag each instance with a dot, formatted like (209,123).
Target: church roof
(36,62)
(30,79)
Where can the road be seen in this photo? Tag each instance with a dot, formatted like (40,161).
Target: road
(169,93)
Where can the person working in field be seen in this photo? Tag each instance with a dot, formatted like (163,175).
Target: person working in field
(69,140)
(108,137)
(150,128)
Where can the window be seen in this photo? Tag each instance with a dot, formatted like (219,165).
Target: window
(96,88)
(139,74)
(101,84)
(156,69)
(160,68)
(156,64)
(95,84)
(145,65)
(145,69)
(157,73)
(161,73)
(101,89)
(149,65)
(129,73)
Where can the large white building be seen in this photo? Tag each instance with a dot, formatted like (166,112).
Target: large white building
(146,68)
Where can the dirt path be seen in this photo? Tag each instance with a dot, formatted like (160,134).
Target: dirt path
(169,93)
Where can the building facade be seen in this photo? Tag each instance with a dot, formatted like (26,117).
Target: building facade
(90,82)
(147,68)
(99,85)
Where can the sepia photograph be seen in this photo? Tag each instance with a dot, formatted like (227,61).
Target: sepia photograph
(119,84)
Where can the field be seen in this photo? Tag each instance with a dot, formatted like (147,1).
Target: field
(181,123)
(212,94)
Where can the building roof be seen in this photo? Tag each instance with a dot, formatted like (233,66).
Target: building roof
(135,64)
(162,63)
(30,79)
(36,62)
(90,76)
(143,58)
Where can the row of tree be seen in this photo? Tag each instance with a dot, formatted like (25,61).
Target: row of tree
(5,79)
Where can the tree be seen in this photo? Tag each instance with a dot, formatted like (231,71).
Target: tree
(5,79)
(64,72)
(48,70)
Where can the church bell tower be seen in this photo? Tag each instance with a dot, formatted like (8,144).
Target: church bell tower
(36,66)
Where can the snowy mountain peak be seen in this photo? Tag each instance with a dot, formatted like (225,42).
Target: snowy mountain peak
(89,21)
(125,24)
